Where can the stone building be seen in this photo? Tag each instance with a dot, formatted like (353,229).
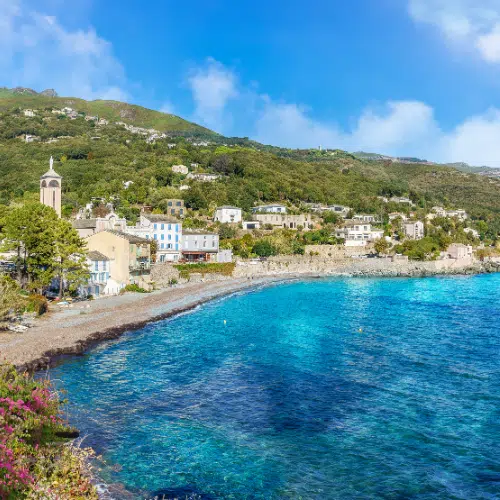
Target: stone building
(285,221)
(50,189)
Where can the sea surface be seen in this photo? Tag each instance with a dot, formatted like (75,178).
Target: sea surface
(321,389)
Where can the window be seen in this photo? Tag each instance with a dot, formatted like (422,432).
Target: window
(169,237)
(177,228)
(176,237)
(96,265)
(172,212)
(177,246)
(156,236)
(162,258)
(213,244)
(178,204)
(155,226)
(181,211)
(169,203)
(162,246)
(162,236)
(162,227)
(147,236)
(170,227)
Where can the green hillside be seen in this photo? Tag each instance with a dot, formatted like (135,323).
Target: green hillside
(95,161)
(110,110)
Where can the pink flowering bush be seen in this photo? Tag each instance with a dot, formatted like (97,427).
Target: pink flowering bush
(34,461)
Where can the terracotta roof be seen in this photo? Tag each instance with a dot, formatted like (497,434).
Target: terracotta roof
(188,232)
(95,255)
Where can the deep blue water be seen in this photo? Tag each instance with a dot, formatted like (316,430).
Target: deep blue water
(343,388)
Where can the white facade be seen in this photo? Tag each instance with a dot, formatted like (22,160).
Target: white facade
(204,177)
(248,225)
(414,230)
(228,215)
(166,231)
(99,268)
(180,169)
(270,209)
(196,241)
(459,251)
(358,232)
(367,218)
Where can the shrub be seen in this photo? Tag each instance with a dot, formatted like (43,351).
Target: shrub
(32,462)
(135,288)
(264,248)
(37,304)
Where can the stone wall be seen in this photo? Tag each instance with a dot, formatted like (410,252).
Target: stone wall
(162,273)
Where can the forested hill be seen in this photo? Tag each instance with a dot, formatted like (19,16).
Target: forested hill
(96,160)
(112,111)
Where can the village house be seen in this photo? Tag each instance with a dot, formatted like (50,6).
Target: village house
(175,208)
(414,230)
(180,169)
(30,113)
(228,215)
(459,251)
(249,225)
(204,177)
(397,215)
(99,268)
(129,256)
(356,233)
(338,209)
(165,230)
(88,227)
(199,246)
(275,208)
(401,200)
(372,219)
(285,221)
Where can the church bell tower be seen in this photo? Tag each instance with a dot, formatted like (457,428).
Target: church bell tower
(50,189)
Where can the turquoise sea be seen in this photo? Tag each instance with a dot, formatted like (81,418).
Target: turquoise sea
(321,389)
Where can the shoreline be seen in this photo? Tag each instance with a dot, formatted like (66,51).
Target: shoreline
(73,331)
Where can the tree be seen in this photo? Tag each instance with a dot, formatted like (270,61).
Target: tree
(226,232)
(29,231)
(10,299)
(70,257)
(264,248)
(381,245)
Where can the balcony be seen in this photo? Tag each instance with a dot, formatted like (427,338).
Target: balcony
(140,266)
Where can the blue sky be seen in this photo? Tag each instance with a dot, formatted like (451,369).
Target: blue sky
(401,77)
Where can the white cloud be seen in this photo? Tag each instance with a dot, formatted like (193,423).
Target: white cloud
(404,128)
(469,23)
(37,51)
(213,86)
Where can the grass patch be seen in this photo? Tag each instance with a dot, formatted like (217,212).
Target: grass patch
(186,270)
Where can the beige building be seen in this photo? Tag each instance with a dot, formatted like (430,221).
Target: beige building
(459,251)
(175,208)
(50,189)
(129,256)
(88,227)
(286,221)
(414,230)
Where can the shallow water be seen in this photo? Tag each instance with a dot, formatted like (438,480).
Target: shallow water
(342,388)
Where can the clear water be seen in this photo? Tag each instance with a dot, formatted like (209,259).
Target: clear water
(346,388)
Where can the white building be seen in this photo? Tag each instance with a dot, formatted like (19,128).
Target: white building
(275,208)
(471,231)
(204,177)
(248,225)
(354,231)
(459,251)
(396,215)
(414,230)
(402,200)
(30,113)
(228,215)
(199,245)
(165,230)
(372,219)
(180,169)
(99,268)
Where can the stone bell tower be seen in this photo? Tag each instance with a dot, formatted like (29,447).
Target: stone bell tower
(50,189)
